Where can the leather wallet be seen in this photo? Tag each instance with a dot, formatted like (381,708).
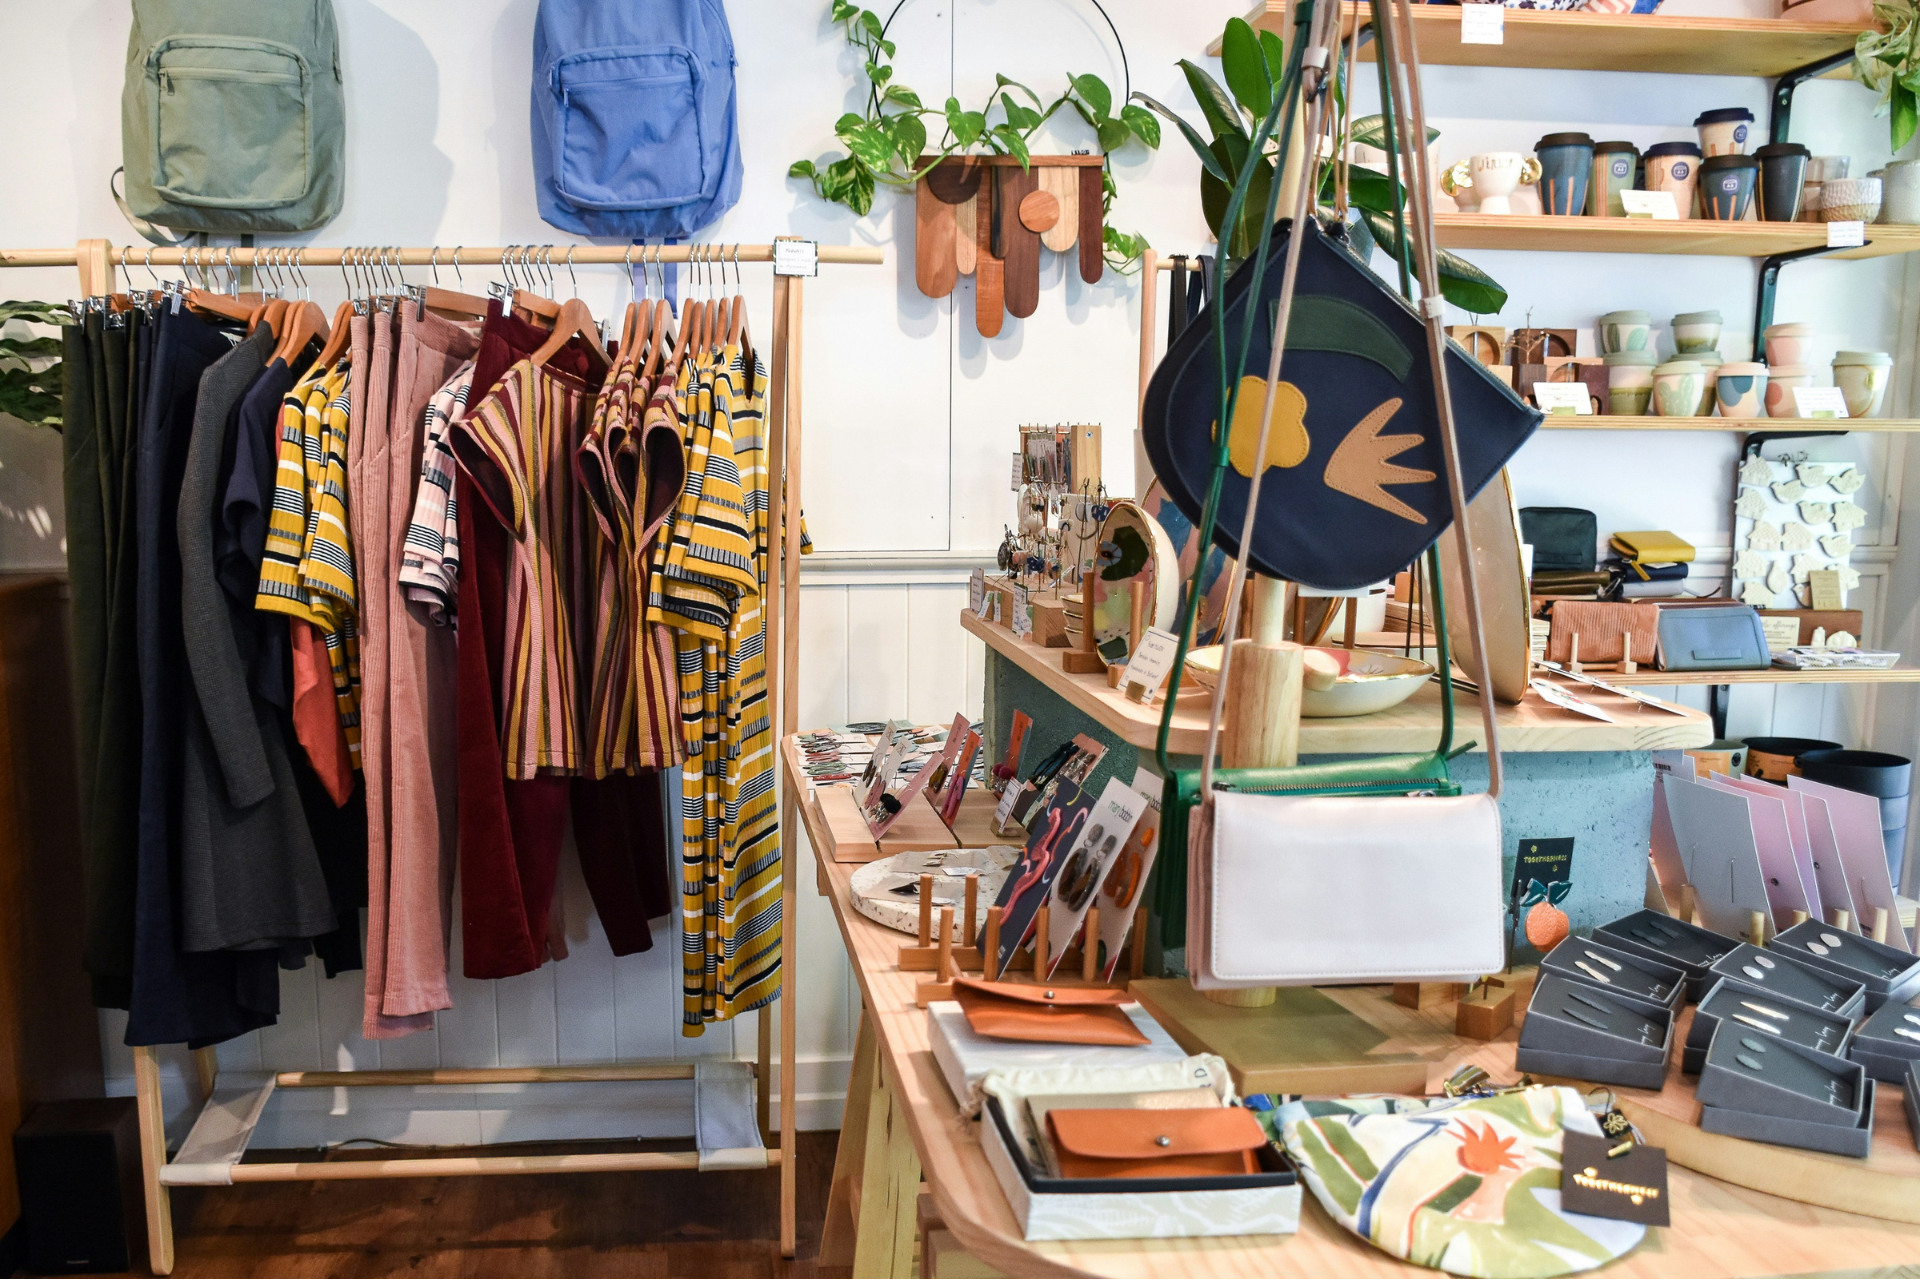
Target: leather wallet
(1724,637)
(1218,1142)
(1049,1015)
(1562,538)
(1652,546)
(1602,627)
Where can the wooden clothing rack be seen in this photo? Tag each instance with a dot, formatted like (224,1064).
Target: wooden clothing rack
(226,1120)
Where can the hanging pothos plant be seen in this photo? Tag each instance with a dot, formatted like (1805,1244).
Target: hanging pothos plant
(887,143)
(1253,64)
(1888,62)
(29,385)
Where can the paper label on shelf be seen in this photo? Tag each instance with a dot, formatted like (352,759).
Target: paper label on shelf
(977,590)
(795,257)
(1483,23)
(1820,402)
(1657,205)
(1150,663)
(1781,633)
(1824,586)
(1846,235)
(1022,619)
(1563,397)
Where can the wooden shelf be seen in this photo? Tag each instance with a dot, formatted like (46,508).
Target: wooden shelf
(1772,675)
(1609,422)
(1580,41)
(1414,725)
(1543,233)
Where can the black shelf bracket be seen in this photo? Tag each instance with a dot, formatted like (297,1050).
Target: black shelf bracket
(1784,87)
(1770,284)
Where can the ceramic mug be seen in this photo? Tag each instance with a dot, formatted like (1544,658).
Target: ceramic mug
(1629,383)
(1787,343)
(1613,167)
(1781,380)
(1674,167)
(1741,387)
(1625,331)
(1783,178)
(1900,193)
(1862,377)
(1456,181)
(1726,186)
(1566,164)
(1696,331)
(1495,175)
(1724,132)
(1676,388)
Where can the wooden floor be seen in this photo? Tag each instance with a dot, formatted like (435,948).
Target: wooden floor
(605,1224)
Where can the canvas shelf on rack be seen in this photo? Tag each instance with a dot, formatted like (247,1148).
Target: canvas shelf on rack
(1579,41)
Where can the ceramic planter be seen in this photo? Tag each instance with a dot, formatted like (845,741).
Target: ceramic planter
(1696,331)
(1787,343)
(1613,169)
(1862,377)
(1781,380)
(1620,331)
(1566,164)
(1674,167)
(1741,387)
(1900,193)
(1724,132)
(1726,186)
(1850,200)
(1783,176)
(1676,388)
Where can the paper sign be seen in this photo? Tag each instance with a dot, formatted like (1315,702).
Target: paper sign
(1108,827)
(1846,235)
(1022,620)
(1820,402)
(1483,23)
(977,591)
(1657,205)
(1826,589)
(1567,702)
(1019,471)
(795,257)
(1782,633)
(1148,667)
(1563,397)
(1008,798)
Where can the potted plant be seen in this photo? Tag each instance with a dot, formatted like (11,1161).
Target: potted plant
(1886,62)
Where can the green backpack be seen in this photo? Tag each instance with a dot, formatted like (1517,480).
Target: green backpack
(233,116)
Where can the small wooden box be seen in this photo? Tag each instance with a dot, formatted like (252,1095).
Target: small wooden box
(1485,1015)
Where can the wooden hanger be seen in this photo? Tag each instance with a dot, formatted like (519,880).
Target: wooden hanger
(304,322)
(662,340)
(532,307)
(575,318)
(450,303)
(272,313)
(337,338)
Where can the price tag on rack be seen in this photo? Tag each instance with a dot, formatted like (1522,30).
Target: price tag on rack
(1019,471)
(795,257)
(1150,664)
(977,591)
(1021,622)
(1483,23)
(1846,235)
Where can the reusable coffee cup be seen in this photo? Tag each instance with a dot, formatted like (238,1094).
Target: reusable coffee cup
(1676,388)
(1787,343)
(1674,167)
(1625,331)
(1724,132)
(1783,177)
(1696,331)
(1887,778)
(1781,380)
(1726,185)
(1772,759)
(1613,169)
(1566,164)
(1709,362)
(1741,386)
(1862,377)
(1629,383)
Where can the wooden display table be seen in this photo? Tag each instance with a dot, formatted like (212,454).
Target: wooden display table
(902,1123)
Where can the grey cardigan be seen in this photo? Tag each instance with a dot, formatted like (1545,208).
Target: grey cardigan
(249,876)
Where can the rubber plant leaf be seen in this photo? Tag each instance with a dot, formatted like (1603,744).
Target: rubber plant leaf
(1245,67)
(1201,147)
(1222,116)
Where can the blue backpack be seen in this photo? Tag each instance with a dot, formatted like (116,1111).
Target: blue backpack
(633,116)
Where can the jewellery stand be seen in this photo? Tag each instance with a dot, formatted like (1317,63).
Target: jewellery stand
(225,1124)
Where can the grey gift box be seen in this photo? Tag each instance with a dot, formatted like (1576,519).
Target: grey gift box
(1773,1091)
(1888,973)
(1686,947)
(1783,977)
(1731,1000)
(1840,1140)
(1618,972)
(1553,1041)
(1876,1045)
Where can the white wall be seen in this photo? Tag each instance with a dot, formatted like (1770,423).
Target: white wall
(910,415)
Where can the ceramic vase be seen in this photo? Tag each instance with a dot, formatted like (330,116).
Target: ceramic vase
(1741,388)
(1696,331)
(1496,174)
(1613,167)
(1674,167)
(1787,344)
(1726,186)
(1862,377)
(1566,165)
(1676,388)
(1619,331)
(1781,380)
(1724,132)
(1783,175)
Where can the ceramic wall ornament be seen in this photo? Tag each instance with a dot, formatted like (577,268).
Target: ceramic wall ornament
(1792,517)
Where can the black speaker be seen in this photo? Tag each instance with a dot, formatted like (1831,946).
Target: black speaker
(78,1163)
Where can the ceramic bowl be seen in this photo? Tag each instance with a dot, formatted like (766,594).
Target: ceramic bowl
(1624,331)
(1676,388)
(1368,681)
(1741,389)
(1850,200)
(1787,344)
(1862,377)
(1781,380)
(1696,331)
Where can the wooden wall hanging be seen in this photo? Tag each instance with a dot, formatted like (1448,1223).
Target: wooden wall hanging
(986,217)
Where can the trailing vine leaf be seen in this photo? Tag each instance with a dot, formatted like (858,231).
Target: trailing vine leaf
(1141,122)
(1113,134)
(1889,63)
(1093,92)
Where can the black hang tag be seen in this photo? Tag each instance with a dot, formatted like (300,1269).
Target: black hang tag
(1631,1186)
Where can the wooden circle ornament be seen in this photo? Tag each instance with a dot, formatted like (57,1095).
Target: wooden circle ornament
(1039,211)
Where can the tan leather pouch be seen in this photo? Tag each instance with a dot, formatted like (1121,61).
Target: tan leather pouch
(1114,1143)
(1601,625)
(1050,1015)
